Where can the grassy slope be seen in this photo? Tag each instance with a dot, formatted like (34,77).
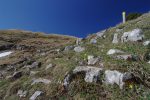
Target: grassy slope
(66,61)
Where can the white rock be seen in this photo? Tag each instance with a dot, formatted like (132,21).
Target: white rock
(134,35)
(92,60)
(40,80)
(93,41)
(92,73)
(78,41)
(66,80)
(22,93)
(149,62)
(35,95)
(114,51)
(124,57)
(112,77)
(146,43)
(49,66)
(115,39)
(79,49)
(3,54)
(101,33)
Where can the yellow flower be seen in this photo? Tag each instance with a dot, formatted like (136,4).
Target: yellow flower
(130,86)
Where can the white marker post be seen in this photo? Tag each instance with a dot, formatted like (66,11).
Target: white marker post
(124,16)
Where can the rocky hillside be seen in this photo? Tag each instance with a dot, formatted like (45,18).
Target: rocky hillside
(112,64)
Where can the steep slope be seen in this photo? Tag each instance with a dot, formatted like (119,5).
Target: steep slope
(111,64)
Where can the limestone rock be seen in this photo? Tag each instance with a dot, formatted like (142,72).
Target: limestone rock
(115,39)
(134,35)
(35,95)
(92,73)
(17,75)
(124,57)
(93,41)
(114,77)
(114,51)
(67,48)
(101,33)
(146,43)
(40,80)
(22,93)
(49,66)
(92,60)
(34,65)
(3,54)
(79,49)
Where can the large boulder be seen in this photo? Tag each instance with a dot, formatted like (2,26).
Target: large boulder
(91,73)
(79,49)
(114,51)
(134,35)
(114,77)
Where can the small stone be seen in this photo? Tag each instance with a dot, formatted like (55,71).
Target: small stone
(22,93)
(40,80)
(93,41)
(114,51)
(124,57)
(112,77)
(67,48)
(115,39)
(35,95)
(34,65)
(17,75)
(92,60)
(101,33)
(146,43)
(49,66)
(79,49)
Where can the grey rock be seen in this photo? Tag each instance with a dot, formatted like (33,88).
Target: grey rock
(101,33)
(134,35)
(32,73)
(115,39)
(78,41)
(66,81)
(127,76)
(79,49)
(17,75)
(93,41)
(67,48)
(22,93)
(114,77)
(92,73)
(34,65)
(49,66)
(40,80)
(146,43)
(35,95)
(124,57)
(92,60)
(114,51)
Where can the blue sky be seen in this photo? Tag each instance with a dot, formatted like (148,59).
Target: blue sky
(70,17)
